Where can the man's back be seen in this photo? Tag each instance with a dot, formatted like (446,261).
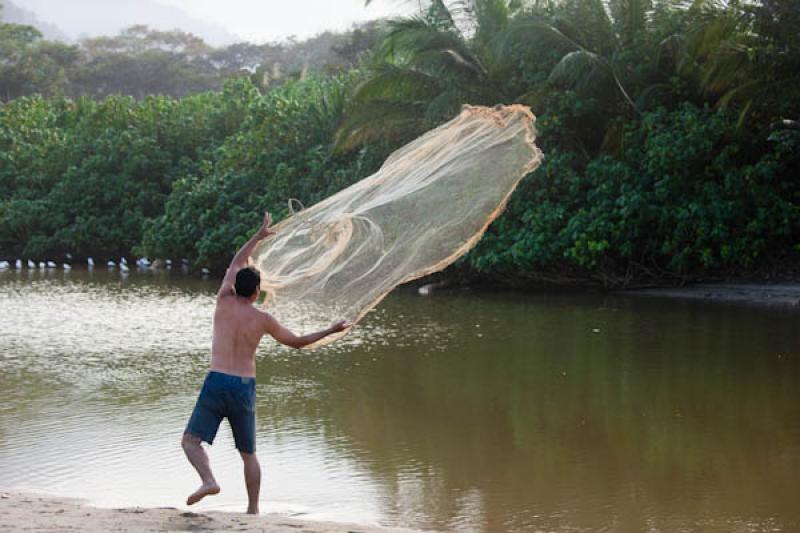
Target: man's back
(238,328)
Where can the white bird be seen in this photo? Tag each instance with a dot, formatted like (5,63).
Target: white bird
(123,261)
(69,256)
(18,264)
(3,265)
(31,264)
(123,267)
(111,264)
(143,262)
(168,262)
(185,261)
(51,264)
(41,265)
(90,261)
(67,266)
(205,271)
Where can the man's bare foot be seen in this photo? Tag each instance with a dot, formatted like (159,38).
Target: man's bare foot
(206,489)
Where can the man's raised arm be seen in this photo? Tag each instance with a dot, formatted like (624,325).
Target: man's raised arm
(285,336)
(239,260)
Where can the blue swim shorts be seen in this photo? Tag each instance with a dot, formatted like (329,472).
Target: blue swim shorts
(226,396)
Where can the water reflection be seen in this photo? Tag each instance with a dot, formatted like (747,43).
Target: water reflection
(461,411)
(667,416)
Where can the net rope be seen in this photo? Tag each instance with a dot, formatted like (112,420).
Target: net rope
(428,205)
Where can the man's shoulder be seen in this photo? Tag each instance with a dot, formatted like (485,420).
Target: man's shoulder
(264,315)
(265,319)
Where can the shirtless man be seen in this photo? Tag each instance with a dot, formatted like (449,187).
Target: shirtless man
(229,388)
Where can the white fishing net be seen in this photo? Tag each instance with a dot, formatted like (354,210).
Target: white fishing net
(429,203)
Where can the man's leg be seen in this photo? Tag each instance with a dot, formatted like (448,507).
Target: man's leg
(252,478)
(199,459)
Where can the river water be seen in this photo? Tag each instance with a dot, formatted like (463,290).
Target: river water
(463,410)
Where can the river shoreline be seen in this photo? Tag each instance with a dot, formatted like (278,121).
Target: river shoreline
(782,295)
(40,512)
(779,294)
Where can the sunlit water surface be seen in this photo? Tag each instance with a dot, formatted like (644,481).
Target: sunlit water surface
(462,411)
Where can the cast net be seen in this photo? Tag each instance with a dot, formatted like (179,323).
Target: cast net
(429,203)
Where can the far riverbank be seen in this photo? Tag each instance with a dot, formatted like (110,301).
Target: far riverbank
(765,294)
(780,294)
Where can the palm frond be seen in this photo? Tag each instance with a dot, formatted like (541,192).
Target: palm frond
(743,94)
(630,18)
(594,25)
(589,73)
(390,82)
(491,17)
(716,53)
(581,71)
(380,119)
(407,39)
(729,66)
(445,106)
(534,33)
(449,62)
(670,49)
(447,14)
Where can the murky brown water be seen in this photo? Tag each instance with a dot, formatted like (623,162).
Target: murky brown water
(462,411)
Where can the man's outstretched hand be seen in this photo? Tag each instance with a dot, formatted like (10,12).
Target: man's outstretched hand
(265,230)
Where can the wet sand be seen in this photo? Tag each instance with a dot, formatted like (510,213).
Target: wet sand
(37,512)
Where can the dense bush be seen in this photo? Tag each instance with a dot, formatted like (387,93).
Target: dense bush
(83,176)
(282,151)
(686,195)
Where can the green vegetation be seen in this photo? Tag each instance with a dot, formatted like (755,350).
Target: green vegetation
(669,129)
(171,178)
(667,154)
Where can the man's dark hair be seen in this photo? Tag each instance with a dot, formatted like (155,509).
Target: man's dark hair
(247,280)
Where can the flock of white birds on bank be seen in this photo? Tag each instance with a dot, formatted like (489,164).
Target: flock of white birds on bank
(142,263)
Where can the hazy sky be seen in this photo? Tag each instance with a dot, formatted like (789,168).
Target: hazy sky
(269,20)
(219,22)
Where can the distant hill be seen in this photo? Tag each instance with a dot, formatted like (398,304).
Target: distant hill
(91,18)
(14,14)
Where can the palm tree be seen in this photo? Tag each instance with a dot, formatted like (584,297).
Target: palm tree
(478,51)
(739,54)
(426,67)
(621,56)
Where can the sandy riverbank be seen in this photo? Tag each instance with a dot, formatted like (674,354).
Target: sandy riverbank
(36,512)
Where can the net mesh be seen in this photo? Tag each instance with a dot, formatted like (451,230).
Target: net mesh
(429,203)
